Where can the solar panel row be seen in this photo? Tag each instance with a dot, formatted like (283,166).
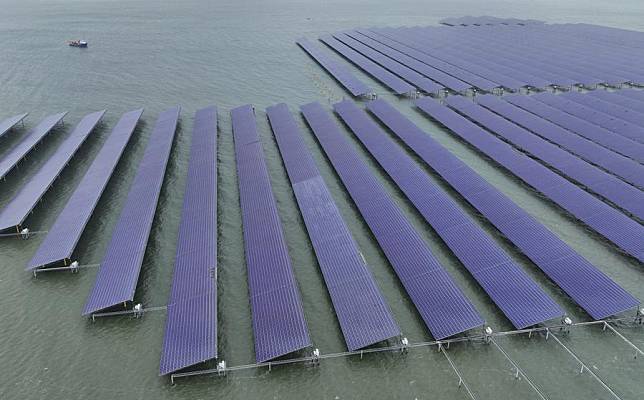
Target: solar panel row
(412,39)
(119,270)
(432,62)
(579,126)
(522,301)
(616,125)
(630,104)
(28,142)
(440,303)
(584,283)
(621,166)
(20,206)
(191,325)
(393,82)
(338,71)
(10,123)
(406,73)
(593,179)
(616,110)
(607,221)
(64,234)
(363,314)
(508,55)
(278,318)
(430,72)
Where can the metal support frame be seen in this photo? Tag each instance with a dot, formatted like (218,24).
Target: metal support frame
(583,366)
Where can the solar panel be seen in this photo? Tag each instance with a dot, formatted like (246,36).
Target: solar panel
(191,325)
(20,206)
(605,220)
(393,82)
(430,72)
(522,301)
(579,126)
(119,270)
(591,289)
(408,74)
(363,314)
(9,123)
(441,304)
(607,107)
(592,178)
(20,150)
(64,234)
(338,71)
(447,68)
(278,318)
(620,127)
(634,105)
(412,39)
(631,93)
(621,166)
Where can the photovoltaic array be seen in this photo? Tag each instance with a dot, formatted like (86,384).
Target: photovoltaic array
(364,316)
(61,240)
(191,325)
(9,123)
(33,137)
(519,297)
(592,290)
(119,270)
(278,318)
(492,54)
(611,223)
(16,211)
(441,304)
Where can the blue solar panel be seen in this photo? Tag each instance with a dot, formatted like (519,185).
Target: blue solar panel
(63,236)
(20,206)
(441,304)
(20,150)
(338,71)
(393,82)
(618,126)
(363,314)
(9,123)
(631,93)
(432,62)
(584,283)
(621,112)
(599,135)
(621,166)
(430,72)
(119,270)
(519,297)
(191,325)
(634,105)
(278,318)
(413,39)
(408,74)
(605,220)
(592,178)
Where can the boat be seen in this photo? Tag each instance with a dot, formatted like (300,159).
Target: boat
(77,43)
